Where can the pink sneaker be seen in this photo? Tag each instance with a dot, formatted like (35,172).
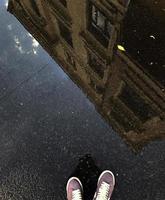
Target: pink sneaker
(74,189)
(105,186)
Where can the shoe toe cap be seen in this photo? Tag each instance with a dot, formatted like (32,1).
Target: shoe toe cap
(74,184)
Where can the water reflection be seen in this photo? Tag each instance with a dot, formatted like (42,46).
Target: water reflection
(4,3)
(116,56)
(18,45)
(144,35)
(46,123)
(35,44)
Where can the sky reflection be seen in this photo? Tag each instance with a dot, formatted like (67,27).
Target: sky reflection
(4,3)
(35,44)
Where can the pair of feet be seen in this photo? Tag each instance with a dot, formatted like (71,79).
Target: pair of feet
(105,187)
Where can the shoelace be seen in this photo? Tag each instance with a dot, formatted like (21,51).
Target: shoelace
(103,193)
(76,195)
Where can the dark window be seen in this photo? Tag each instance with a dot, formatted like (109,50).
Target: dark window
(97,88)
(99,25)
(124,2)
(137,104)
(121,118)
(96,65)
(35,7)
(64,3)
(65,33)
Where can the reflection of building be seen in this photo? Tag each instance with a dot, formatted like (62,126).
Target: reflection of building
(82,36)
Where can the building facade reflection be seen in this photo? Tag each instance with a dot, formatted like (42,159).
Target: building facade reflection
(86,38)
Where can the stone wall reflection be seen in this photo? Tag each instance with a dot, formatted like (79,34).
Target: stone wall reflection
(101,47)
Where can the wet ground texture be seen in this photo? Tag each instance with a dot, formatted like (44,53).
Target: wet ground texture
(47,126)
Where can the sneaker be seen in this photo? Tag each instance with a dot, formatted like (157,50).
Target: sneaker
(105,186)
(74,189)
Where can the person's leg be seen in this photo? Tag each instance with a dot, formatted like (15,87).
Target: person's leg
(74,189)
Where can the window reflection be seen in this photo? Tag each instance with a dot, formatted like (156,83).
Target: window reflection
(99,25)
